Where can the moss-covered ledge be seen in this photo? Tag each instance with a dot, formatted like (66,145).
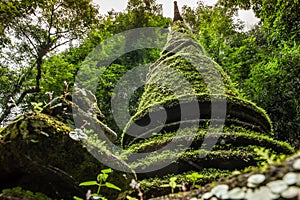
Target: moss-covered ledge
(280,180)
(37,154)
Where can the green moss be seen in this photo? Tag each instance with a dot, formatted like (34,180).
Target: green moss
(48,160)
(236,138)
(174,80)
(18,193)
(152,187)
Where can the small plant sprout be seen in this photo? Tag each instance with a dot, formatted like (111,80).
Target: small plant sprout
(67,88)
(194,177)
(100,182)
(11,100)
(183,187)
(85,123)
(172,184)
(50,98)
(136,186)
(37,107)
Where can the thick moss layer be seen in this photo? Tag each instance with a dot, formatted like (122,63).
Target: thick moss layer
(152,187)
(183,77)
(19,194)
(38,154)
(279,172)
(234,136)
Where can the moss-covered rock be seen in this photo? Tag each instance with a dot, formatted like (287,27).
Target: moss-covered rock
(38,154)
(18,193)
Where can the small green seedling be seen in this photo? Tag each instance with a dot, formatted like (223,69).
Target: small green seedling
(100,182)
(194,177)
(37,107)
(172,183)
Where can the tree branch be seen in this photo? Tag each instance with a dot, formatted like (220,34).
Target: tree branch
(50,24)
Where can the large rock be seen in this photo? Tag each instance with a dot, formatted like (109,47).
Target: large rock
(38,154)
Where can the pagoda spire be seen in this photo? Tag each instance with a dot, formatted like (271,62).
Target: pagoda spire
(177,16)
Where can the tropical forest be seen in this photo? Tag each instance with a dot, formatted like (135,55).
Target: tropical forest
(135,105)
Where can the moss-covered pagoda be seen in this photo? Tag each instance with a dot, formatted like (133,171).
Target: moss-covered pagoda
(183,80)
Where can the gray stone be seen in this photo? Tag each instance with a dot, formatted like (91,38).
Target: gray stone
(277,186)
(290,193)
(207,195)
(263,193)
(298,180)
(220,190)
(290,178)
(251,185)
(224,196)
(296,164)
(236,193)
(256,179)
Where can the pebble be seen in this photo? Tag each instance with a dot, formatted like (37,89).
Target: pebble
(220,190)
(298,180)
(277,186)
(290,178)
(256,179)
(224,196)
(236,193)
(251,185)
(296,164)
(290,193)
(263,193)
(207,195)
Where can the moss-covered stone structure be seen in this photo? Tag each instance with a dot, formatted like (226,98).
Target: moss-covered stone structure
(183,78)
(38,154)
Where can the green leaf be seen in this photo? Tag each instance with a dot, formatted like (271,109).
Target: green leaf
(102,177)
(113,186)
(173,179)
(88,183)
(77,198)
(106,171)
(173,184)
(131,198)
(165,185)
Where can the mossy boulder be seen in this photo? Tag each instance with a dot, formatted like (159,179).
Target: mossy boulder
(18,193)
(38,155)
